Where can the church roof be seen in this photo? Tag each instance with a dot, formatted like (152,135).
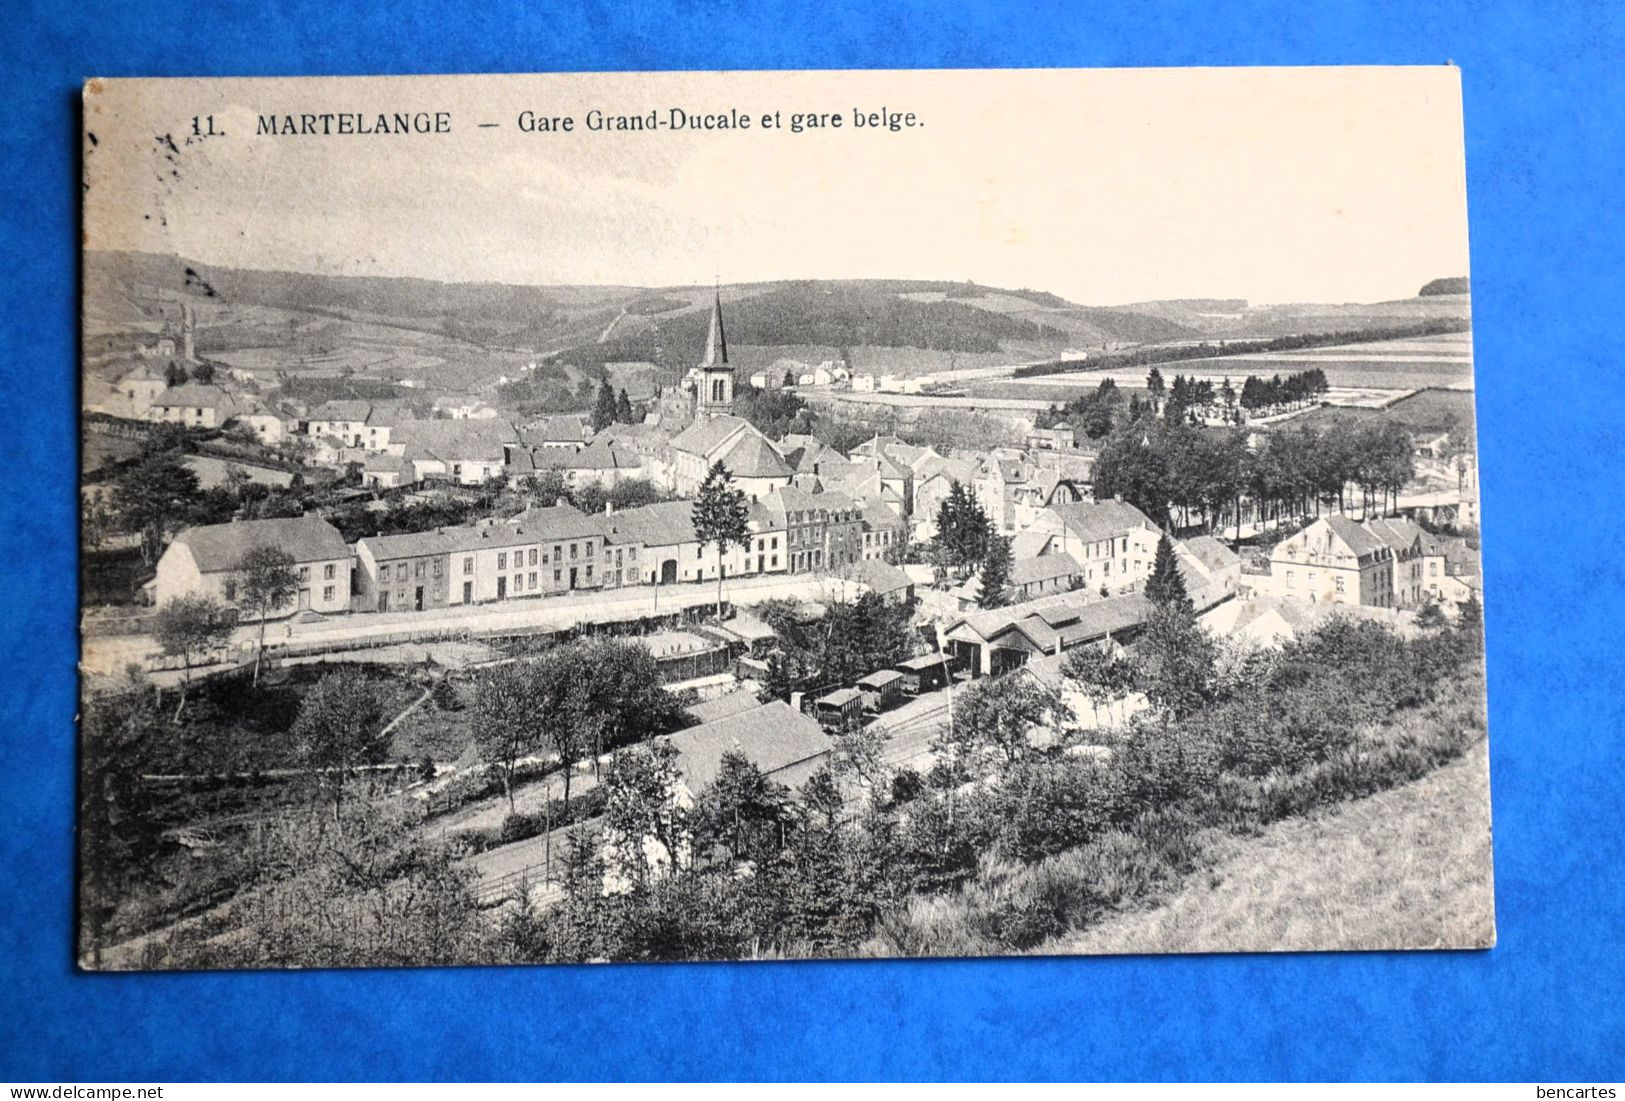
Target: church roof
(751,456)
(708,434)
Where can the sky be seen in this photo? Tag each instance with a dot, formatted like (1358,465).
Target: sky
(1105,187)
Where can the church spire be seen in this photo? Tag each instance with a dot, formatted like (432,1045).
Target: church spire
(716,342)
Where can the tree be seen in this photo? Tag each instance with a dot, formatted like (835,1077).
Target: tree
(1165,587)
(339,730)
(188,626)
(174,374)
(720,517)
(623,408)
(963,529)
(1175,661)
(603,407)
(266,581)
(507,723)
(640,806)
(153,497)
(1155,387)
(203,373)
(995,715)
(742,810)
(995,572)
(1101,675)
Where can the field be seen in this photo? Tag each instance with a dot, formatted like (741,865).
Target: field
(1410,868)
(1411,364)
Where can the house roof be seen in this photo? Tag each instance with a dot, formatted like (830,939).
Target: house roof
(1359,540)
(456,441)
(877,516)
(880,678)
(1049,567)
(664,523)
(1212,554)
(751,456)
(540,523)
(881,577)
(1095,521)
(219,547)
(412,544)
(779,740)
(342,409)
(197,395)
(563,429)
(1396,533)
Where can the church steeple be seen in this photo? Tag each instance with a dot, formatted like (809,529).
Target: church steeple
(714,394)
(716,342)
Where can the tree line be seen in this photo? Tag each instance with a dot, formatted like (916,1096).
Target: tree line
(1210,475)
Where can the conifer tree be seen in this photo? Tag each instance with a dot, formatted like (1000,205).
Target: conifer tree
(1166,588)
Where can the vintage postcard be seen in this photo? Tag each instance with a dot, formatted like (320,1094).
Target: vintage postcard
(723,516)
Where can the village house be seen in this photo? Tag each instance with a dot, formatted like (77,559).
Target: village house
(1414,550)
(140,388)
(208,560)
(565,433)
(1031,578)
(344,419)
(1113,542)
(396,573)
(555,549)
(883,529)
(1334,560)
(195,405)
(1210,570)
(463,452)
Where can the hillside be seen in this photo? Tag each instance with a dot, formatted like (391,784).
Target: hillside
(1409,868)
(459,335)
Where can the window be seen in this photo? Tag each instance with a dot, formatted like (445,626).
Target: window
(533,553)
(1433,569)
(383,572)
(1340,587)
(468,565)
(1291,579)
(631,554)
(502,560)
(557,575)
(699,551)
(533,580)
(775,543)
(558,553)
(775,560)
(573,548)
(590,548)
(304,573)
(589,573)
(417,568)
(437,569)
(327,572)
(327,592)
(518,582)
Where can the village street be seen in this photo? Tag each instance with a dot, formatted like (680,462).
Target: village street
(110,655)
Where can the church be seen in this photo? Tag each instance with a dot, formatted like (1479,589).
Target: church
(716,433)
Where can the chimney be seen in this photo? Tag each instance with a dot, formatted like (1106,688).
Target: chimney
(609,508)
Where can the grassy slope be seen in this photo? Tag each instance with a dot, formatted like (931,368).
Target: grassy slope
(1409,868)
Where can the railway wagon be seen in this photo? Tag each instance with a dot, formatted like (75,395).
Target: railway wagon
(881,689)
(840,707)
(925,673)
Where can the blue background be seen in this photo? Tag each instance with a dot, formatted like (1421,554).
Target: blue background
(1544,153)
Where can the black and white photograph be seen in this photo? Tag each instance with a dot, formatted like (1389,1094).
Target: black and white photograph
(778,515)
